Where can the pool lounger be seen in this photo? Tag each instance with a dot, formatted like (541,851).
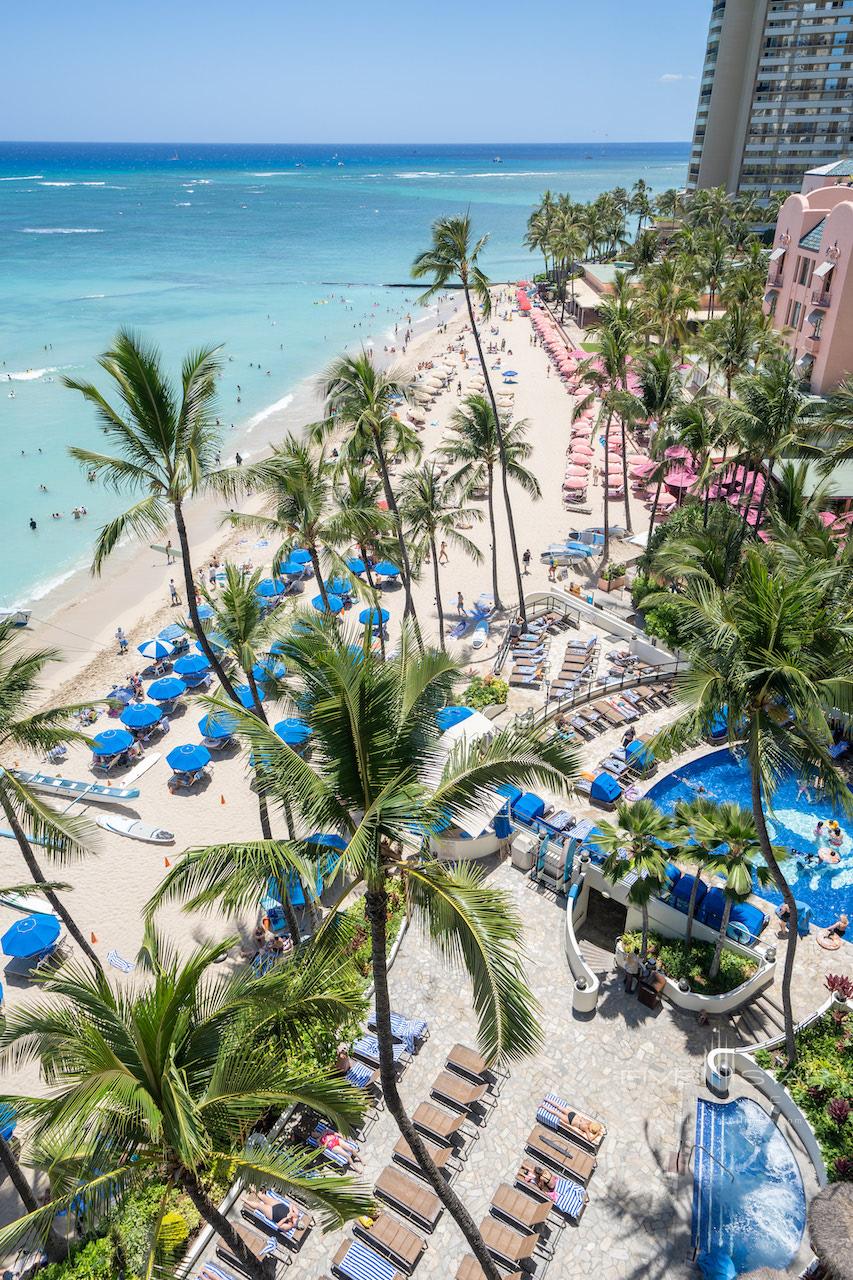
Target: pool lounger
(570,1200)
(547,1118)
(367,1048)
(505,1244)
(624,708)
(448,1087)
(409,1031)
(388,1235)
(609,713)
(355,1261)
(617,767)
(443,1157)
(293,1236)
(260,1246)
(561,1153)
(470,1269)
(437,1123)
(522,1212)
(412,1199)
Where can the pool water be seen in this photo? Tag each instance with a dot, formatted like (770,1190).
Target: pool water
(827,889)
(748,1196)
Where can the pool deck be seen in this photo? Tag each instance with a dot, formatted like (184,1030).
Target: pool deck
(639,1070)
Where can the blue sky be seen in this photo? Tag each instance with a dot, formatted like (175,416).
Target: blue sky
(350,71)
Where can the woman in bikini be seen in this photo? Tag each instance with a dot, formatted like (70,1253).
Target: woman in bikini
(284,1213)
(589,1129)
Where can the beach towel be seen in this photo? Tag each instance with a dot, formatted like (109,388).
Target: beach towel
(359,1075)
(119,962)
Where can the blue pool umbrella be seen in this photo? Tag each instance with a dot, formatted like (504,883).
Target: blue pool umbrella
(449,716)
(188,758)
(300,556)
(218,725)
(269,669)
(330,840)
(166,689)
(355,565)
(374,616)
(335,604)
(277,646)
(205,611)
(338,586)
(156,649)
(215,639)
(386,569)
(292,568)
(111,742)
(173,633)
(293,731)
(271,587)
(194,664)
(141,715)
(244,696)
(30,936)
(122,695)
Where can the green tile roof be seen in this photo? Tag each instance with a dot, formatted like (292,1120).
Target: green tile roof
(812,239)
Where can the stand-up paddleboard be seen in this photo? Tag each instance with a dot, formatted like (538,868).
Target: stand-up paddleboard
(28,903)
(68,789)
(134,829)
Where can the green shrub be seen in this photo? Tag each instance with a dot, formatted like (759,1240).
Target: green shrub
(821,1082)
(93,1261)
(137,1218)
(677,963)
(485,691)
(664,622)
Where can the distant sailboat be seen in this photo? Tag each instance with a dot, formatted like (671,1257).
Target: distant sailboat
(175,156)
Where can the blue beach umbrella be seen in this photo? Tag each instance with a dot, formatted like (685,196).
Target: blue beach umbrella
(449,716)
(215,639)
(300,556)
(271,587)
(141,715)
(277,646)
(218,725)
(194,664)
(30,936)
(335,604)
(338,586)
(244,696)
(355,565)
(293,731)
(374,616)
(156,649)
(330,840)
(205,611)
(269,669)
(188,758)
(166,689)
(510,373)
(292,568)
(111,742)
(386,569)
(174,633)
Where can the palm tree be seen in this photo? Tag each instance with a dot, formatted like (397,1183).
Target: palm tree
(473,448)
(734,340)
(431,508)
(378,778)
(452,256)
(364,523)
(772,638)
(175,1075)
(695,424)
(713,264)
(833,426)
(361,399)
(661,391)
(641,204)
(635,845)
(694,849)
(668,296)
(22,729)
(167,446)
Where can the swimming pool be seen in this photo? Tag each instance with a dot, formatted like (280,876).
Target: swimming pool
(827,889)
(748,1196)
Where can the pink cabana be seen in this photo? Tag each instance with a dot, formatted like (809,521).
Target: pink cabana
(716,491)
(666,500)
(678,452)
(644,468)
(680,478)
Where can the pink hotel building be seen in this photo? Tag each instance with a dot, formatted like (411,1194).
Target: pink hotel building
(810,281)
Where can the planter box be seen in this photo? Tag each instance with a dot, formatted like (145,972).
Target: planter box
(493,710)
(611,584)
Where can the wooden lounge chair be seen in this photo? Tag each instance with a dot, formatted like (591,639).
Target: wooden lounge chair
(462,1094)
(293,1237)
(391,1237)
(506,1245)
(524,1213)
(353,1259)
(261,1246)
(442,1156)
(470,1269)
(410,1198)
(560,1153)
(467,1062)
(609,713)
(437,1123)
(545,1116)
(569,1200)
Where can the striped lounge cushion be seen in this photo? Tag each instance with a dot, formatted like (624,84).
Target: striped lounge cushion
(361,1263)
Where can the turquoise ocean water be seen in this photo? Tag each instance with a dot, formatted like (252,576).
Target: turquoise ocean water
(282,253)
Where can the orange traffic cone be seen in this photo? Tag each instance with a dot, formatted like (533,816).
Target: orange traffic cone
(166,862)
(93,938)
(221,799)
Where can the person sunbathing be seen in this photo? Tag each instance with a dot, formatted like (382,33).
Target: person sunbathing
(541,1179)
(590,1129)
(284,1213)
(333,1141)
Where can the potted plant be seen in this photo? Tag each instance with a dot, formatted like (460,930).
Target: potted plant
(613,578)
(486,694)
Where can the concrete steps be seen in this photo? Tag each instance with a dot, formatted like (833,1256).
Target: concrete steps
(761,1020)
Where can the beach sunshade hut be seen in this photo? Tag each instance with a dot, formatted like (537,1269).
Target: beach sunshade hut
(30,936)
(218,725)
(830,1221)
(270,588)
(299,555)
(111,742)
(293,731)
(336,604)
(141,715)
(156,649)
(245,698)
(449,716)
(386,569)
(194,664)
(355,565)
(605,789)
(188,758)
(167,689)
(373,617)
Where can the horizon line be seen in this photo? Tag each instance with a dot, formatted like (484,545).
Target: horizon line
(160,142)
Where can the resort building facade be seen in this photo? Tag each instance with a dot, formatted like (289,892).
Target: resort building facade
(810,280)
(776,94)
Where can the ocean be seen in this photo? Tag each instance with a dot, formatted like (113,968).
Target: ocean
(282,254)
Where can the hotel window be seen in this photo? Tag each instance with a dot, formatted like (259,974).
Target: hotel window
(818,324)
(805,270)
(795,315)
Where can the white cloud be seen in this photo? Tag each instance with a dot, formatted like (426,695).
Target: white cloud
(672,77)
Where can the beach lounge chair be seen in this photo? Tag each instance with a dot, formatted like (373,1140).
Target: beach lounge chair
(356,1261)
(437,1123)
(261,1246)
(209,1271)
(361,1076)
(410,1198)
(470,1269)
(443,1157)
(506,1245)
(367,1048)
(617,767)
(547,1118)
(335,1157)
(448,1087)
(293,1236)
(407,1031)
(586,731)
(391,1237)
(609,713)
(467,1062)
(624,708)
(570,1199)
(593,717)
(560,1153)
(522,1212)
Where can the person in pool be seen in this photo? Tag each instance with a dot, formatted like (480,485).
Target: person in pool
(830,856)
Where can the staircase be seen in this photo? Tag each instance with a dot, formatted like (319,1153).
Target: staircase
(597,958)
(759,1021)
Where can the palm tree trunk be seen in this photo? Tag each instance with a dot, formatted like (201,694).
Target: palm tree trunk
(691,911)
(793,916)
(55,1247)
(189,587)
(372,585)
(718,949)
(502,451)
(490,503)
(628,524)
(377,909)
(255,1267)
(318,574)
(264,813)
(655,506)
(38,877)
(645,944)
(605,555)
(394,510)
(437,581)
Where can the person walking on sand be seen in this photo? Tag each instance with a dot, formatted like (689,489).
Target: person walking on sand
(525,559)
(170,553)
(552,570)
(460,604)
(173,592)
(122,640)
(442,554)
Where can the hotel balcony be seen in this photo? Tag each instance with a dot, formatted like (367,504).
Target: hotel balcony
(774,278)
(811,345)
(821,298)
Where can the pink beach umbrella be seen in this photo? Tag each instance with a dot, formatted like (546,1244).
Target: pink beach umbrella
(574,482)
(644,468)
(678,452)
(827,519)
(716,491)
(680,478)
(666,500)
(575,469)
(582,447)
